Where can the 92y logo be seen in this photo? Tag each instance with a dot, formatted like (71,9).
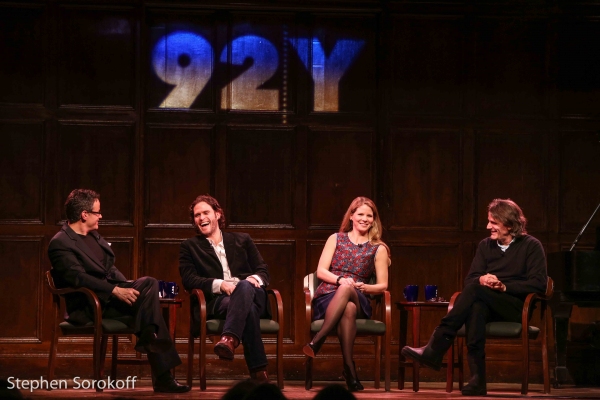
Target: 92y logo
(185,60)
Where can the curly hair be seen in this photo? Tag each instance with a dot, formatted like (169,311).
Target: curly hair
(211,201)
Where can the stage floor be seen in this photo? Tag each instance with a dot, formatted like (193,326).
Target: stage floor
(295,390)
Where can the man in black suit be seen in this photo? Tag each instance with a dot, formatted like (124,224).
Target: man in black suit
(80,257)
(231,273)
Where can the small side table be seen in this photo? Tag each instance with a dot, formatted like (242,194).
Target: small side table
(169,309)
(415,307)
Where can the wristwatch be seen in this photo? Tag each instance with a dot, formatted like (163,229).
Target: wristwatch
(337,282)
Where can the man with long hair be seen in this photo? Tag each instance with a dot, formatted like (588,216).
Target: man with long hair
(231,273)
(80,257)
(507,266)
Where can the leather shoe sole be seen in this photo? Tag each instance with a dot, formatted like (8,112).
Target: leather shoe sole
(309,350)
(410,353)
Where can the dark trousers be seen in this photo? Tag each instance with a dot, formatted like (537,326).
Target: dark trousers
(146,312)
(476,306)
(242,312)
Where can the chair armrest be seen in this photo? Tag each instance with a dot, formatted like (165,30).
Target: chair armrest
(308,305)
(279,302)
(197,293)
(452,300)
(92,297)
(387,309)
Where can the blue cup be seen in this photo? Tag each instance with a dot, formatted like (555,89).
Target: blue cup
(171,290)
(431,293)
(161,289)
(411,292)
(167,290)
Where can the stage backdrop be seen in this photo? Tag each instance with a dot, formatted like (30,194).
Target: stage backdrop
(285,111)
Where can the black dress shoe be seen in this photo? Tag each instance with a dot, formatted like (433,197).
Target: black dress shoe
(424,356)
(152,344)
(474,390)
(170,385)
(352,381)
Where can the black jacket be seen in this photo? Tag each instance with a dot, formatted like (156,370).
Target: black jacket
(74,265)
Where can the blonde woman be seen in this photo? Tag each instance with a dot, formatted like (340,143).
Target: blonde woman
(348,261)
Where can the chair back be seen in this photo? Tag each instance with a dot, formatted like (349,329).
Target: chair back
(311,282)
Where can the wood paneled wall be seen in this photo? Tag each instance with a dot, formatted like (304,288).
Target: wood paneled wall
(444,107)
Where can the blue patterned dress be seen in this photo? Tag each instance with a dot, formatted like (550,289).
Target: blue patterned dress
(349,261)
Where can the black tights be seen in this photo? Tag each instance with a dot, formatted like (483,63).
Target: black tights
(342,312)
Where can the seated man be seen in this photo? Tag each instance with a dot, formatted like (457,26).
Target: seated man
(507,267)
(231,273)
(80,257)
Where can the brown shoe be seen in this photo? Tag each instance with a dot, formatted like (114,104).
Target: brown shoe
(225,348)
(260,376)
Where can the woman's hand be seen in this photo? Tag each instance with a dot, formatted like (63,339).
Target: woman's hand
(361,287)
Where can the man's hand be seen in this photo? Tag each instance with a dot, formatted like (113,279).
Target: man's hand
(492,282)
(126,295)
(227,288)
(253,281)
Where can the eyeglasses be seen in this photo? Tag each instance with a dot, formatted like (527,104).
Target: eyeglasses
(93,212)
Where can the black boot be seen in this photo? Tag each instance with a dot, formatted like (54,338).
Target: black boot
(351,378)
(431,355)
(477,384)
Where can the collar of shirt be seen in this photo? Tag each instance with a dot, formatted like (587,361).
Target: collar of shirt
(220,251)
(504,247)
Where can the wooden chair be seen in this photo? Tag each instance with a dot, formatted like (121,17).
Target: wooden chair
(214,328)
(380,327)
(514,330)
(100,328)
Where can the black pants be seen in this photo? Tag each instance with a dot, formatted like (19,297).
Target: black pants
(476,306)
(242,312)
(146,312)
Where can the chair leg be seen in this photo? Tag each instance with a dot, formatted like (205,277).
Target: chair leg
(308,378)
(190,366)
(99,359)
(279,355)
(202,362)
(377,362)
(525,345)
(461,365)
(52,355)
(386,349)
(114,362)
(545,368)
(450,369)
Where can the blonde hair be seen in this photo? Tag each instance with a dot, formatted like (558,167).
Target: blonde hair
(376,228)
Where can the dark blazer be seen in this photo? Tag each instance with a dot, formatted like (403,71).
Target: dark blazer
(74,265)
(199,265)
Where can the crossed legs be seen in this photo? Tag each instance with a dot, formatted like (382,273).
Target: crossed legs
(341,314)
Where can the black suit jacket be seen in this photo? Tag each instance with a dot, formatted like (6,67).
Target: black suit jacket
(199,265)
(74,265)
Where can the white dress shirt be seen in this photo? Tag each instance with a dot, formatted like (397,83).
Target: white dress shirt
(220,251)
